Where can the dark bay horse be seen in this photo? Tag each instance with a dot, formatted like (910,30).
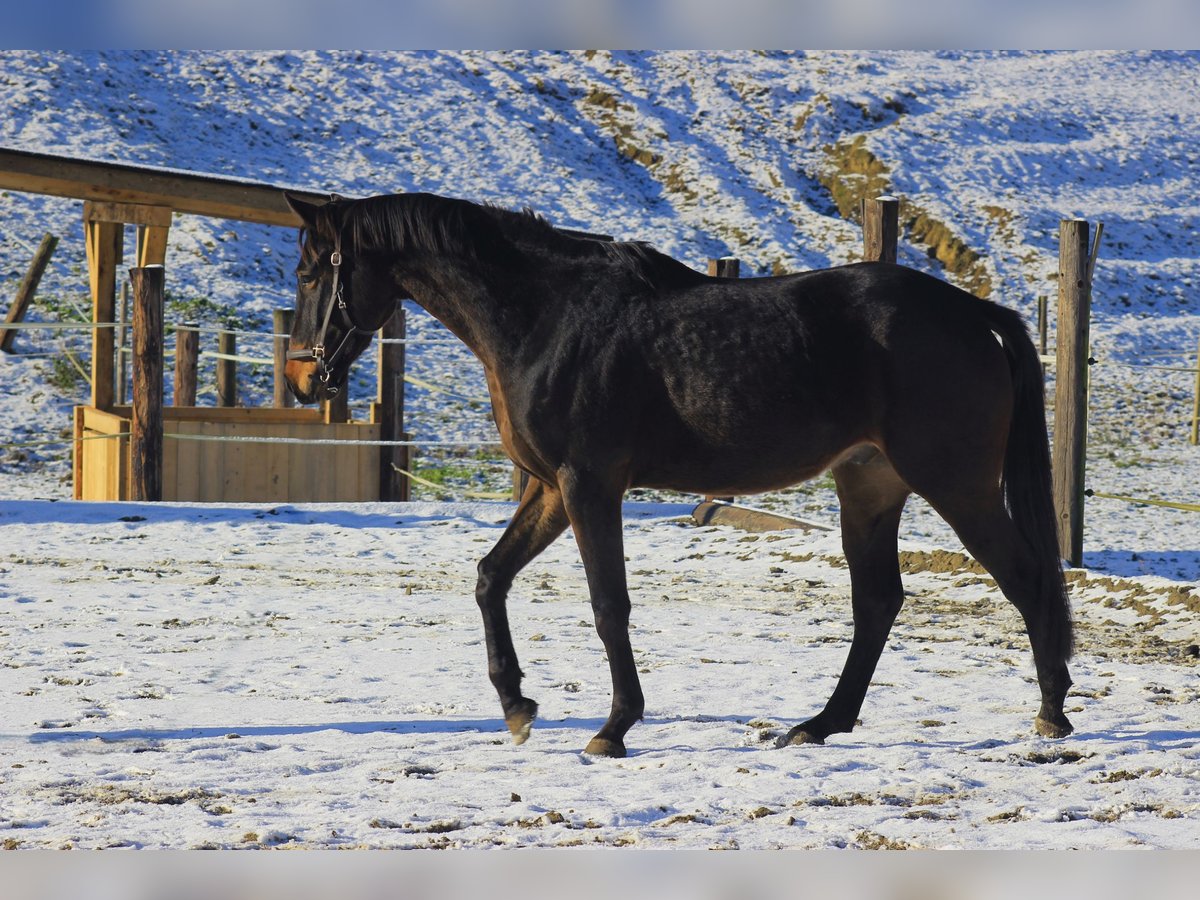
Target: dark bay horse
(612,366)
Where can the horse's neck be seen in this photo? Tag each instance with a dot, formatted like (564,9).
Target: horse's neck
(481,315)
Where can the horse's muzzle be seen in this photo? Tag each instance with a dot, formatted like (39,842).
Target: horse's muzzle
(304,379)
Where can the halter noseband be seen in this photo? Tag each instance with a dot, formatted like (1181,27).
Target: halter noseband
(317,350)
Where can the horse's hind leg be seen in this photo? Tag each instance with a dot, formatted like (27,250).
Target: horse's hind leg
(539,519)
(989,534)
(872,497)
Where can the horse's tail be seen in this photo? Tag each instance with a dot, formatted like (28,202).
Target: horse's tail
(1026,479)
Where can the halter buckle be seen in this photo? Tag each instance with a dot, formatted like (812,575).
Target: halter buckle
(335,258)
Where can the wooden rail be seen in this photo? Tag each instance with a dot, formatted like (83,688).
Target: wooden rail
(123,183)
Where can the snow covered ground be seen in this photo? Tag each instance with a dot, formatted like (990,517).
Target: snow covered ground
(315,677)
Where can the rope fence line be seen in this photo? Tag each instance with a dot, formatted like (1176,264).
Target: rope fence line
(62,442)
(1190,370)
(206,329)
(233,357)
(470,495)
(63,326)
(253,439)
(1186,507)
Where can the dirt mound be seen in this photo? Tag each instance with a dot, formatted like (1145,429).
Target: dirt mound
(939,562)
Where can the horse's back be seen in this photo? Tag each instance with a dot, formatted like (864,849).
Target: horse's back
(780,376)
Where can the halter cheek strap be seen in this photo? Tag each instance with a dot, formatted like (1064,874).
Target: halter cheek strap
(317,351)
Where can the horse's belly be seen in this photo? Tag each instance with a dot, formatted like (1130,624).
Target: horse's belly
(751,469)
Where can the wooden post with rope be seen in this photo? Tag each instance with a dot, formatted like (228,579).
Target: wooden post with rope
(146,424)
(281,321)
(187,358)
(337,408)
(1069,454)
(226,369)
(388,409)
(881,229)
(1195,436)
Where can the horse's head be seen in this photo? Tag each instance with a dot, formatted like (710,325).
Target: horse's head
(341,301)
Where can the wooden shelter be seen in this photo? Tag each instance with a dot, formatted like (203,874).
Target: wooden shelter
(209,468)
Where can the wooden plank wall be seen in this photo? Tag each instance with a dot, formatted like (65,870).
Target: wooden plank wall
(233,471)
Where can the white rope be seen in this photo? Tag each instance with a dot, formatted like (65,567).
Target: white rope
(249,360)
(321,441)
(212,329)
(59,326)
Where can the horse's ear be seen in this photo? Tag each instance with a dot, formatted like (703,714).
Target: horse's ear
(305,210)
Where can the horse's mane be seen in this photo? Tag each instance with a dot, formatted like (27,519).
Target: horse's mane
(428,223)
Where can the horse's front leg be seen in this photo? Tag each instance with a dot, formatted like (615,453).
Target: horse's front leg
(539,519)
(594,509)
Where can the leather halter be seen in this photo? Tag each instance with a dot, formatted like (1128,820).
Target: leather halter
(317,350)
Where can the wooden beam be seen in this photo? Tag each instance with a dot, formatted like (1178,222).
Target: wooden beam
(127,213)
(117,183)
(29,286)
(121,184)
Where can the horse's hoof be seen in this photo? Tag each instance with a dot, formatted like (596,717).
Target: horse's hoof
(1049,729)
(798,736)
(520,722)
(599,746)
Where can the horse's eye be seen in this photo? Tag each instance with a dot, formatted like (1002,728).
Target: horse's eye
(306,279)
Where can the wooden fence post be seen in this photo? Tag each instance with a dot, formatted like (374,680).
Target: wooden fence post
(520,482)
(881,229)
(123,344)
(1043,323)
(105,248)
(337,408)
(146,427)
(1195,437)
(1071,387)
(29,285)
(187,355)
(282,325)
(388,409)
(226,369)
(724,267)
